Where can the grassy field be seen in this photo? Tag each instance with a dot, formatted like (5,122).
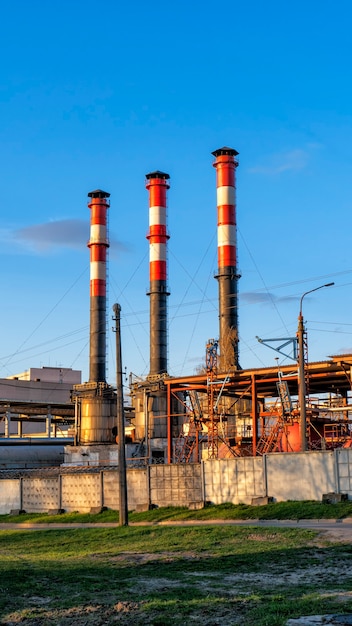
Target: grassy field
(157,575)
(278,511)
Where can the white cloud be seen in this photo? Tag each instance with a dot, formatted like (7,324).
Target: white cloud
(70,233)
(293,160)
(54,235)
(254,297)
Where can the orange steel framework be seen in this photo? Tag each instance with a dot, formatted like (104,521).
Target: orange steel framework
(328,380)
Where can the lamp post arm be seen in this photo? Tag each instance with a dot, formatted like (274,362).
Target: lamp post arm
(311,291)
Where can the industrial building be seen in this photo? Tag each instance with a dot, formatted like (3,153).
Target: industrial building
(37,417)
(226,411)
(222,412)
(38,403)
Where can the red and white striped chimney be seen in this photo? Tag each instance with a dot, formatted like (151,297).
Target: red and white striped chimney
(98,244)
(157,185)
(227,276)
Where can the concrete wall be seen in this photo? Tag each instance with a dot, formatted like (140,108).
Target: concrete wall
(137,489)
(299,476)
(344,471)
(81,492)
(176,485)
(234,480)
(40,494)
(10,495)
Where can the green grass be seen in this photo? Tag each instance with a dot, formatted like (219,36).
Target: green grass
(274,511)
(277,511)
(157,575)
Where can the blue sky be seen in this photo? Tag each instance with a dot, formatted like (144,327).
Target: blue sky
(97,94)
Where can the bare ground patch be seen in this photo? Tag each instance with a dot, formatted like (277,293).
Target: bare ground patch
(234,592)
(140,558)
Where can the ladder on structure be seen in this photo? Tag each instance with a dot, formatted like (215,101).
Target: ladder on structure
(270,439)
(186,444)
(272,434)
(195,404)
(284,395)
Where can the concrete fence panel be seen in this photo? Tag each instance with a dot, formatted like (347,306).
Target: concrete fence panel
(81,492)
(137,489)
(10,495)
(300,476)
(233,480)
(176,485)
(39,495)
(344,471)
(110,485)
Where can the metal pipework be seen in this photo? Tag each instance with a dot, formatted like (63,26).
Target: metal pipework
(98,245)
(227,275)
(157,186)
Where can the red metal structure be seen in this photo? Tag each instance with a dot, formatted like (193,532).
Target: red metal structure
(271,428)
(226,410)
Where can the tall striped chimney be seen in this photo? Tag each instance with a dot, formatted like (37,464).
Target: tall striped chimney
(157,185)
(225,164)
(98,245)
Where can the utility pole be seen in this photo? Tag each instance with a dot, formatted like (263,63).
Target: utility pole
(302,383)
(302,371)
(123,506)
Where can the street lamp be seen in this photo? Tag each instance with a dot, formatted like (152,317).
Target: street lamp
(123,503)
(301,369)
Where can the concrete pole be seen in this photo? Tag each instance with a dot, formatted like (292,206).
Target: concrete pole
(301,370)
(254,416)
(302,383)
(123,506)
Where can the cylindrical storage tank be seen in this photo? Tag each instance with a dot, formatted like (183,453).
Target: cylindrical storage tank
(291,438)
(157,415)
(97,420)
(139,420)
(150,419)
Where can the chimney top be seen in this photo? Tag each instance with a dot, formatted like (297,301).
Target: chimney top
(98,193)
(157,174)
(225,151)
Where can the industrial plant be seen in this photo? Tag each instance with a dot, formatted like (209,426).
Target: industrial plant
(224,412)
